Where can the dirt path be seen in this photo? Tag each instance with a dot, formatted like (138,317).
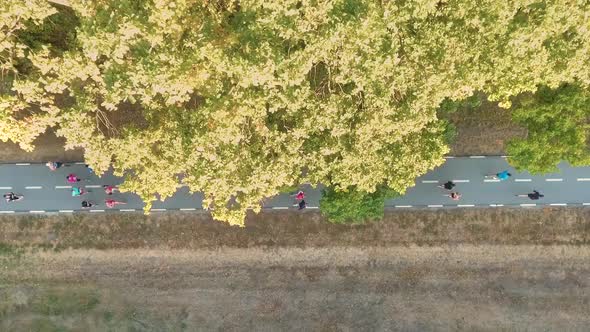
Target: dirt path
(317,289)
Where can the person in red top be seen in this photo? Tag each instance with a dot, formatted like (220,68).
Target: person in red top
(111,203)
(72,178)
(454,196)
(108,189)
(300,195)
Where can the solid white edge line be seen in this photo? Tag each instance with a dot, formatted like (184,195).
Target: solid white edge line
(461,181)
(80,163)
(429,181)
(504,157)
(553,180)
(583,179)
(585,203)
(6,211)
(93,186)
(158,210)
(313,207)
(403,206)
(188,209)
(37,211)
(66,211)
(435,206)
(23,164)
(63,187)
(466,205)
(558,204)
(5,188)
(525,205)
(449,157)
(523,180)
(127,210)
(280,208)
(477,157)
(496,205)
(96,210)
(33,187)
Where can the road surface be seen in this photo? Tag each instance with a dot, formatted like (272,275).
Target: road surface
(47,191)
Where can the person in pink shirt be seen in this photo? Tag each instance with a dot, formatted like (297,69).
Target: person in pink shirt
(111,203)
(109,190)
(72,178)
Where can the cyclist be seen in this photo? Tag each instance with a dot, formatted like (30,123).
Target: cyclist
(53,165)
(454,196)
(77,191)
(448,185)
(12,197)
(108,189)
(87,204)
(502,176)
(72,178)
(111,203)
(535,195)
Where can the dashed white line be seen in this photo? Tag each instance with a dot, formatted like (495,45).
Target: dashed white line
(158,210)
(526,205)
(188,209)
(280,208)
(6,211)
(403,206)
(477,157)
(96,210)
(496,205)
(558,204)
(460,181)
(127,210)
(466,205)
(5,188)
(523,180)
(449,157)
(23,164)
(66,211)
(37,211)
(491,180)
(80,163)
(33,187)
(553,180)
(585,203)
(504,157)
(63,187)
(93,186)
(429,181)
(583,179)
(435,206)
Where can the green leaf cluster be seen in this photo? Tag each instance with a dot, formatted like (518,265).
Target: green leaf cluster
(352,206)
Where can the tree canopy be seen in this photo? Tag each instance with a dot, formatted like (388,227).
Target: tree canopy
(240,98)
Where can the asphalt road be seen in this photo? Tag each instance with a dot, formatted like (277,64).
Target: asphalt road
(47,191)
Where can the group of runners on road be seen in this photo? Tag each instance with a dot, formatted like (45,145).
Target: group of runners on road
(501,176)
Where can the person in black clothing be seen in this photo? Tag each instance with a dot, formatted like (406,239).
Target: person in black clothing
(87,204)
(449,185)
(302,205)
(535,195)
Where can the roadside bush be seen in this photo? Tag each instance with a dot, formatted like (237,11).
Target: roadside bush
(353,206)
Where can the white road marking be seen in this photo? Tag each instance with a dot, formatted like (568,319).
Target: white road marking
(6,188)
(435,206)
(461,181)
(558,204)
(466,205)
(477,157)
(525,205)
(6,211)
(449,157)
(553,180)
(80,163)
(504,157)
(37,211)
(585,203)
(93,186)
(313,207)
(583,179)
(63,187)
(429,181)
(96,210)
(403,206)
(158,210)
(523,180)
(127,210)
(496,205)
(491,180)
(22,164)
(188,209)
(66,211)
(280,208)
(33,187)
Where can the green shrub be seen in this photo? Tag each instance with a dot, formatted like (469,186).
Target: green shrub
(352,206)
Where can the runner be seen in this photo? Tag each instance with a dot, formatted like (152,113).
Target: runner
(448,185)
(454,196)
(12,197)
(111,203)
(108,189)
(302,205)
(72,178)
(535,195)
(87,204)
(502,176)
(77,191)
(53,165)
(300,195)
